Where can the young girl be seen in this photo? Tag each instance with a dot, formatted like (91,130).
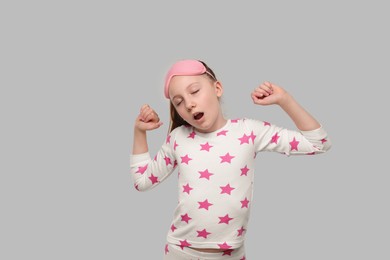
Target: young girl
(215,159)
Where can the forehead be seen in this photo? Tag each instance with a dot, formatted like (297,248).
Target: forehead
(181,83)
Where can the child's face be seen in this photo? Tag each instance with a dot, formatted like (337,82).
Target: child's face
(196,100)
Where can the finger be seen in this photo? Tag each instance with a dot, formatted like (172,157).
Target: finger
(266,86)
(260,92)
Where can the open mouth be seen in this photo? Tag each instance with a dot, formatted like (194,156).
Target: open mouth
(198,115)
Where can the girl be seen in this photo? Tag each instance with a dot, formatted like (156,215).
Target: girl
(215,159)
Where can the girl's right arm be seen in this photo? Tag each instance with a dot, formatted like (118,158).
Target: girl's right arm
(146,120)
(145,171)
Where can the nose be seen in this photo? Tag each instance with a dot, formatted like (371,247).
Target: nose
(190,105)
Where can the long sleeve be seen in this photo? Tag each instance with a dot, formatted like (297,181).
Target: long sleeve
(147,172)
(269,137)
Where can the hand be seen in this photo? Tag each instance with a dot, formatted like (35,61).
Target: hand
(147,119)
(268,94)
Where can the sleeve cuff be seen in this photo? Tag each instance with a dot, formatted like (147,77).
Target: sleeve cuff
(138,158)
(318,133)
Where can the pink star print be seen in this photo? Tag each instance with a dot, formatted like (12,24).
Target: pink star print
(224,219)
(252,137)
(153,179)
(243,258)
(226,189)
(266,123)
(168,139)
(175,145)
(244,139)
(234,120)
(166,249)
(173,228)
(205,147)
(241,231)
(244,171)
(223,132)
(184,243)
(167,160)
(185,159)
(323,140)
(204,204)
(294,144)
(244,203)
(224,246)
(227,252)
(205,174)
(275,138)
(142,169)
(185,218)
(187,188)
(203,233)
(192,135)
(226,158)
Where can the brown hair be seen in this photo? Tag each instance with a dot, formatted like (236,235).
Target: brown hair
(176,120)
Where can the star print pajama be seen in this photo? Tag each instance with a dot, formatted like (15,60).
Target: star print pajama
(216,176)
(174,252)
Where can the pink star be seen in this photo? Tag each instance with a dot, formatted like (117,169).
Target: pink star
(323,140)
(173,228)
(175,163)
(241,231)
(204,204)
(166,249)
(184,243)
(223,132)
(244,139)
(224,246)
(312,153)
(205,174)
(227,252)
(167,160)
(187,188)
(266,123)
(226,158)
(185,159)
(243,258)
(153,179)
(275,138)
(224,219)
(294,144)
(185,218)
(136,187)
(205,147)
(203,233)
(244,203)
(226,189)
(244,171)
(253,137)
(168,139)
(192,135)
(142,169)
(175,145)
(234,120)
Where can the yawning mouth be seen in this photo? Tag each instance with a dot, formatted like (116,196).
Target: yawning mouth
(198,115)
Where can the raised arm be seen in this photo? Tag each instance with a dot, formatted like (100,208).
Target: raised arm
(269,93)
(146,120)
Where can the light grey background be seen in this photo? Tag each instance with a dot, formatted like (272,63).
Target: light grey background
(74,74)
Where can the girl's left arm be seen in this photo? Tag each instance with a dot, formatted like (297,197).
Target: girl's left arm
(269,93)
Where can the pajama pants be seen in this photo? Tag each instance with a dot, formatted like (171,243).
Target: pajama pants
(175,252)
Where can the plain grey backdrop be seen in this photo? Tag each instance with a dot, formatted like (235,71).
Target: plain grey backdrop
(74,74)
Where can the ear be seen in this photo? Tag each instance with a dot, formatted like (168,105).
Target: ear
(218,89)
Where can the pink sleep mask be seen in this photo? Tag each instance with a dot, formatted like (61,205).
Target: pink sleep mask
(183,68)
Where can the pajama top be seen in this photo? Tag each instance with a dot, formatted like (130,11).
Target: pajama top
(216,172)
